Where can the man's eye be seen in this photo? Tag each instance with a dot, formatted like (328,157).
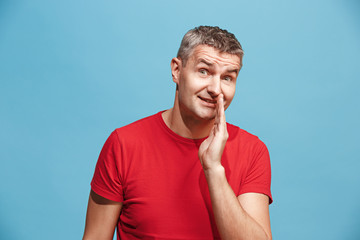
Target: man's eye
(203,71)
(227,78)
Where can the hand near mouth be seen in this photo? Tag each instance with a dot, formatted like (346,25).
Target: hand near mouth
(211,149)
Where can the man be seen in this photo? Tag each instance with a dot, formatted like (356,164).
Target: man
(185,173)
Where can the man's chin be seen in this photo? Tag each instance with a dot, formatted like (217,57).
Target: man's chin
(201,115)
(207,117)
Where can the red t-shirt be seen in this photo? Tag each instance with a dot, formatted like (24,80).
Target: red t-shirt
(158,176)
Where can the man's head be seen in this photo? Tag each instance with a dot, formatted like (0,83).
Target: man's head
(211,36)
(207,66)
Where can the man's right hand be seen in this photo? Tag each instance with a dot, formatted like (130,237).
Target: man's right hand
(212,148)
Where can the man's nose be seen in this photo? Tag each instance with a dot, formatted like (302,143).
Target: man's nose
(214,87)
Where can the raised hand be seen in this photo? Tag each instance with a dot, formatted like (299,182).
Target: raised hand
(211,149)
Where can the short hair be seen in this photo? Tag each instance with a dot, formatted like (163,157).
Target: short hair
(215,37)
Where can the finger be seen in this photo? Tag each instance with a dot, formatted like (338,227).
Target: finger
(217,112)
(222,123)
(221,110)
(219,105)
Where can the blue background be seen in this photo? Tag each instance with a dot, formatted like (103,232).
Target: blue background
(72,71)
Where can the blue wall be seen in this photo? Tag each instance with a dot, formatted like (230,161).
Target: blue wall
(72,71)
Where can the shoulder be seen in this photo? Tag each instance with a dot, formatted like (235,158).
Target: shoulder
(137,129)
(242,136)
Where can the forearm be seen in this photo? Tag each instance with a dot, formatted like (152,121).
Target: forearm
(232,220)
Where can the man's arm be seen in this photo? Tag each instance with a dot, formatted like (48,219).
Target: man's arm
(101,217)
(244,217)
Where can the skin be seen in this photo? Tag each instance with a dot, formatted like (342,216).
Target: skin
(206,87)
(101,218)
(207,74)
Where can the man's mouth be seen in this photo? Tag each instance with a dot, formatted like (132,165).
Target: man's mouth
(208,100)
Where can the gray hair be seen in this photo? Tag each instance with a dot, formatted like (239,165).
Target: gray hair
(215,37)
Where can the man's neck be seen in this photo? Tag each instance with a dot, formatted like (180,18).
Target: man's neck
(186,127)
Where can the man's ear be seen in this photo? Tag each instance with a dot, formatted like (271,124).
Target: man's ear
(175,69)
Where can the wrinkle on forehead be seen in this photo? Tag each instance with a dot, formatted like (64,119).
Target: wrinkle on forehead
(214,56)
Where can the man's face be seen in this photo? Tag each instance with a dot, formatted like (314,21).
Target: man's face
(207,73)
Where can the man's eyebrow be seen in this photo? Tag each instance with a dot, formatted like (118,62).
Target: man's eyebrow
(235,70)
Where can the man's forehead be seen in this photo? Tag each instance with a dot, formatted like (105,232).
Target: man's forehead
(210,55)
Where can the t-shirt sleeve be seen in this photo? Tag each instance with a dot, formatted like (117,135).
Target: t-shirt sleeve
(258,177)
(106,181)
